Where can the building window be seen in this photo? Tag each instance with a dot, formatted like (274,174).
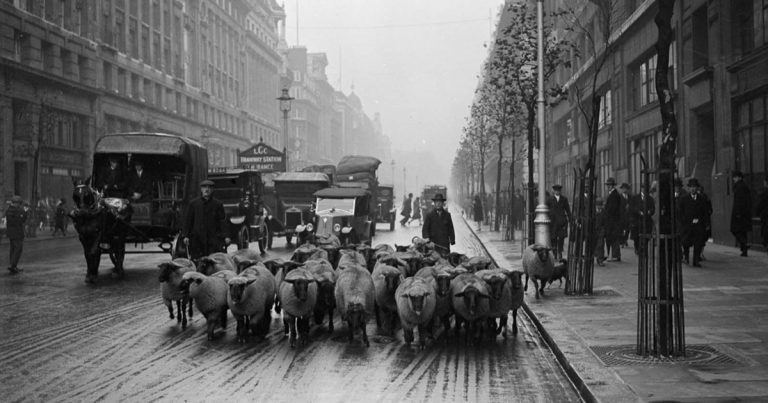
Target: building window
(18,39)
(647,147)
(135,86)
(752,138)
(644,86)
(46,49)
(120,30)
(82,68)
(148,90)
(604,169)
(605,115)
(145,50)
(700,38)
(121,82)
(133,38)
(107,72)
(159,95)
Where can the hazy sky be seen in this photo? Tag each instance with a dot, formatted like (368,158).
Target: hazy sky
(414,61)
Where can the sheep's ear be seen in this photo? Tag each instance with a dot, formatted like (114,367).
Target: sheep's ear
(291,281)
(459,295)
(250,281)
(198,280)
(481,295)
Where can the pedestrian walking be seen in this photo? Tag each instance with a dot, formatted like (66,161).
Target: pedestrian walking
(741,214)
(695,210)
(416,211)
(641,210)
(560,216)
(625,214)
(599,232)
(60,218)
(16,219)
(477,211)
(203,227)
(406,209)
(438,226)
(613,221)
(518,208)
(762,212)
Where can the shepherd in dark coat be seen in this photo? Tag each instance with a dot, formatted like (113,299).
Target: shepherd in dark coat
(762,212)
(612,213)
(203,228)
(560,216)
(477,210)
(695,211)
(15,219)
(438,226)
(741,214)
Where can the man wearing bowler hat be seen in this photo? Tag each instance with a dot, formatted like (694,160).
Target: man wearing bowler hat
(695,211)
(560,215)
(438,226)
(612,215)
(741,214)
(203,226)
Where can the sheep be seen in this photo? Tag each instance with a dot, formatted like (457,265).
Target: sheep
(215,262)
(382,249)
(274,265)
(470,302)
(386,279)
(477,263)
(302,253)
(391,260)
(298,295)
(538,263)
(415,305)
(441,282)
(319,254)
(250,297)
(506,295)
(456,258)
(242,255)
(350,258)
(413,259)
(325,276)
(355,299)
(282,271)
(210,296)
(170,279)
(559,273)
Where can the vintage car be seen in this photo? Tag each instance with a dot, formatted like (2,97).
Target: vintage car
(240,191)
(386,211)
(344,212)
(292,204)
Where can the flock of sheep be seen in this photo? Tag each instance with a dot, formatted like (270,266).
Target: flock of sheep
(411,287)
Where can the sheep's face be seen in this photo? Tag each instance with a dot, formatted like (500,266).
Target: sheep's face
(355,315)
(496,285)
(237,289)
(205,265)
(401,248)
(325,293)
(456,259)
(186,283)
(516,278)
(300,288)
(471,296)
(165,272)
(416,297)
(393,280)
(244,264)
(443,284)
(543,254)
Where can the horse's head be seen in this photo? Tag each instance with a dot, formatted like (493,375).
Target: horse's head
(84,195)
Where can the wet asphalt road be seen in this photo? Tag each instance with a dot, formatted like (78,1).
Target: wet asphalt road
(62,340)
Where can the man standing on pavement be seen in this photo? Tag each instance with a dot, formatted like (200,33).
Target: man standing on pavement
(203,229)
(762,212)
(625,214)
(741,214)
(15,219)
(612,218)
(477,211)
(406,210)
(438,226)
(560,216)
(641,210)
(695,211)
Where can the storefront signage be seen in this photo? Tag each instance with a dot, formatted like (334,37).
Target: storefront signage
(262,157)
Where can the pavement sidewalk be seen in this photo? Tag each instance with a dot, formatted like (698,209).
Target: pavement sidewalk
(594,337)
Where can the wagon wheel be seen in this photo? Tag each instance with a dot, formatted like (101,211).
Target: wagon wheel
(243,238)
(179,249)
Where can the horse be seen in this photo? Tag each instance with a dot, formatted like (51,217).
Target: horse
(100,225)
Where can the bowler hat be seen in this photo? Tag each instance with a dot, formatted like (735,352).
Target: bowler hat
(737,174)
(624,185)
(557,187)
(611,181)
(693,182)
(17,199)
(438,197)
(206,182)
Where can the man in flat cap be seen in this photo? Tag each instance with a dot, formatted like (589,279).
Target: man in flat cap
(741,214)
(613,214)
(438,226)
(560,216)
(15,219)
(203,227)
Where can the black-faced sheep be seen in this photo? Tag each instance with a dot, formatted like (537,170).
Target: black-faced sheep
(355,299)
(216,262)
(441,282)
(170,277)
(477,263)
(350,258)
(416,306)
(456,258)
(282,271)
(386,279)
(242,255)
(298,295)
(210,296)
(506,294)
(303,252)
(538,263)
(412,258)
(326,287)
(559,273)
(470,303)
(250,298)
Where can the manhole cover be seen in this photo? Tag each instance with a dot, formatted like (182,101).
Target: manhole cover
(696,355)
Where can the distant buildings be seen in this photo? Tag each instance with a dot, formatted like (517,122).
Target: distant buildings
(208,70)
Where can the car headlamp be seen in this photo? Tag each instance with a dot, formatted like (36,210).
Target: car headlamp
(310,227)
(336,227)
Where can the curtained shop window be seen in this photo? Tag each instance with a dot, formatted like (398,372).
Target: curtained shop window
(752,139)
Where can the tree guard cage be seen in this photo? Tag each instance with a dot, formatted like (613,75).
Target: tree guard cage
(660,320)
(582,236)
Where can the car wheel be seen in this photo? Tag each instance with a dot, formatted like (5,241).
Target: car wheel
(243,238)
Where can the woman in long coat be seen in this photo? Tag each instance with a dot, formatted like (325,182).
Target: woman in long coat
(477,210)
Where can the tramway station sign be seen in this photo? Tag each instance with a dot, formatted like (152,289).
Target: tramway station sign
(262,157)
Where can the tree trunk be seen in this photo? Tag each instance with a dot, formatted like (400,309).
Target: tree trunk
(512,206)
(497,216)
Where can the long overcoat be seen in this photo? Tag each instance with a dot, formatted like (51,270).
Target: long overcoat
(612,212)
(694,209)
(741,215)
(559,215)
(15,219)
(438,227)
(477,209)
(204,225)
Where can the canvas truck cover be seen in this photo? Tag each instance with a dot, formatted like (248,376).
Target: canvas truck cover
(351,164)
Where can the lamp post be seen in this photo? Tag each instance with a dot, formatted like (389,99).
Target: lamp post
(392,164)
(541,222)
(285,106)
(405,192)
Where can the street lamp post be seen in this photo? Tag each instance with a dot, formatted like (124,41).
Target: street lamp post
(541,222)
(392,164)
(285,106)
(405,192)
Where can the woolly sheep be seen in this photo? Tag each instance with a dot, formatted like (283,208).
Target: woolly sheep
(350,258)
(456,258)
(538,263)
(381,250)
(216,262)
(477,263)
(506,294)
(302,253)
(282,271)
(355,299)
(325,276)
(441,282)
(298,295)
(386,279)
(559,273)
(413,259)
(415,305)
(250,297)
(170,279)
(210,296)
(319,254)
(470,302)
(245,255)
